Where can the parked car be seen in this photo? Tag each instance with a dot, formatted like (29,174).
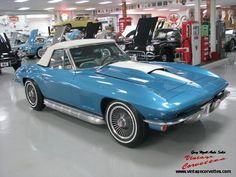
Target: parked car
(77,23)
(163,44)
(8,57)
(152,42)
(18,39)
(94,80)
(32,46)
(230,43)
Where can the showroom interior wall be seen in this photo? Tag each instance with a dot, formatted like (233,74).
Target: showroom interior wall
(39,22)
(26,23)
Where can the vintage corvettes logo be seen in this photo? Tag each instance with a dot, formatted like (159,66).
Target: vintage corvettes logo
(203,159)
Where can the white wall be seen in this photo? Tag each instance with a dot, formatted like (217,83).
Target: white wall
(26,23)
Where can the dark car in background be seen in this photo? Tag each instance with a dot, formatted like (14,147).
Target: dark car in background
(8,57)
(163,44)
(151,41)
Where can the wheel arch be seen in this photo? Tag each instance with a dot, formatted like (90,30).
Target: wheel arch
(106,101)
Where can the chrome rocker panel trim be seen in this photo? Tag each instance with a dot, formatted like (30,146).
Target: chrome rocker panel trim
(205,109)
(79,114)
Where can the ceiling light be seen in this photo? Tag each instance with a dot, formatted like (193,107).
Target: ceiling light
(162,9)
(105,2)
(71,8)
(54,1)
(49,8)
(190,5)
(37,16)
(174,10)
(203,5)
(24,8)
(21,0)
(92,8)
(81,2)
(218,5)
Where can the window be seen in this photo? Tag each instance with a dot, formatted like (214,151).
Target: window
(96,55)
(60,60)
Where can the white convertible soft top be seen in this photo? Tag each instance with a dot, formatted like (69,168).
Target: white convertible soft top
(70,44)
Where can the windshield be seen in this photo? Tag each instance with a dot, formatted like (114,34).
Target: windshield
(97,55)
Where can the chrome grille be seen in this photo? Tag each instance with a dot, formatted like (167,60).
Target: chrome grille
(140,55)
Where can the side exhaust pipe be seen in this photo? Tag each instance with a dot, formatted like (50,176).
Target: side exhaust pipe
(79,114)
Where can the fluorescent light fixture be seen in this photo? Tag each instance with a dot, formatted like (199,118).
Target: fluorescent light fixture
(162,9)
(92,8)
(49,8)
(189,5)
(24,8)
(147,9)
(105,2)
(37,16)
(204,5)
(71,8)
(81,2)
(54,1)
(218,5)
(21,0)
(174,10)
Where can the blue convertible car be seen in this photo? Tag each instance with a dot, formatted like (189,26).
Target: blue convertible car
(94,80)
(32,46)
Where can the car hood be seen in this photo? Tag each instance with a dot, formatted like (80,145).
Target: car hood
(5,46)
(32,36)
(163,80)
(145,27)
(59,32)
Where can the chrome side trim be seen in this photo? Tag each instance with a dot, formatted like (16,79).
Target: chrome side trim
(79,114)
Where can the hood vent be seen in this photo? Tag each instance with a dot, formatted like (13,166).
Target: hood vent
(158,69)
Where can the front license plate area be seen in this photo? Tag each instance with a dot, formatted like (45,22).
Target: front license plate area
(4,64)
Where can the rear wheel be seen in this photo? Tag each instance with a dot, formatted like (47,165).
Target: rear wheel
(34,95)
(125,124)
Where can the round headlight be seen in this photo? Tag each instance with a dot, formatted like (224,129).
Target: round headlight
(122,46)
(150,48)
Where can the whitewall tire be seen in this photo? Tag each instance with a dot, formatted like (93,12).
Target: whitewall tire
(125,124)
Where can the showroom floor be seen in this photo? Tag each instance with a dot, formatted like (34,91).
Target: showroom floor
(50,144)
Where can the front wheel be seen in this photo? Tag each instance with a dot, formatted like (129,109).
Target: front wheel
(125,124)
(167,55)
(39,52)
(34,95)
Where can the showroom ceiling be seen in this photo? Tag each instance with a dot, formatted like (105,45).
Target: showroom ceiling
(37,6)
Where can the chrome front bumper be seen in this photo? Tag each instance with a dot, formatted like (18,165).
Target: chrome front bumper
(205,110)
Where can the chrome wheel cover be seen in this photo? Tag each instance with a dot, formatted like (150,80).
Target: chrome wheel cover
(31,93)
(121,122)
